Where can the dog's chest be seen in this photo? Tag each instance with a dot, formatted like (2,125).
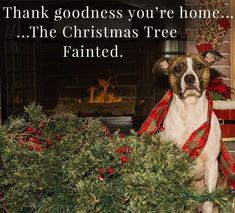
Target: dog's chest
(180,123)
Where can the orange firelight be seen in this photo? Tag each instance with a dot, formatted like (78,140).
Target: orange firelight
(103,96)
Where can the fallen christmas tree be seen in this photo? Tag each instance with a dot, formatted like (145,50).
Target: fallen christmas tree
(69,164)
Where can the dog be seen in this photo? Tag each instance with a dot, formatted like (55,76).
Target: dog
(189,76)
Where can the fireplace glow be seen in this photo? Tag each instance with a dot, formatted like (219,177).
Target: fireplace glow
(102,93)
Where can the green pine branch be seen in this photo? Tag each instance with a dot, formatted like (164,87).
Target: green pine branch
(85,169)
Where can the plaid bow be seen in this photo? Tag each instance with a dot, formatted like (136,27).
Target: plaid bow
(197,140)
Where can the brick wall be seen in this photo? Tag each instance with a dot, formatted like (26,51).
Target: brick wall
(191,26)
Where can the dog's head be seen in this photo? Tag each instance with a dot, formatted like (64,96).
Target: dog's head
(189,75)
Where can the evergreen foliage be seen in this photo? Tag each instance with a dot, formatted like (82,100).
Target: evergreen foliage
(69,164)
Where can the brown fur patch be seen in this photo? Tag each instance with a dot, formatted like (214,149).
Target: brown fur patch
(177,60)
(173,83)
(175,78)
(204,75)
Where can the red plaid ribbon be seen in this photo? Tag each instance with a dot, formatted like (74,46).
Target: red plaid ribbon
(227,165)
(197,140)
(154,121)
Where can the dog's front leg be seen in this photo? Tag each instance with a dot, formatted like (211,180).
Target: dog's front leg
(211,176)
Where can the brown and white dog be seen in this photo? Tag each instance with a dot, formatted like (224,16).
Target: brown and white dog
(189,77)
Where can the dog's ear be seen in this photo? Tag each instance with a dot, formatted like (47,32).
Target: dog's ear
(161,65)
(211,56)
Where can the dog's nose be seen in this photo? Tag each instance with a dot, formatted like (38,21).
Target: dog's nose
(190,79)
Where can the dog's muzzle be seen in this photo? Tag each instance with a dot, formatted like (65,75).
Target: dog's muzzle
(190,85)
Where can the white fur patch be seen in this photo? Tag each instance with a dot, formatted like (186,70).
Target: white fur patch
(188,72)
(181,121)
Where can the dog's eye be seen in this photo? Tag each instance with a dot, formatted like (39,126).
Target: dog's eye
(199,66)
(177,69)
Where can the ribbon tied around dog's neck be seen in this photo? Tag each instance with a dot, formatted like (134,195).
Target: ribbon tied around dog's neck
(196,141)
